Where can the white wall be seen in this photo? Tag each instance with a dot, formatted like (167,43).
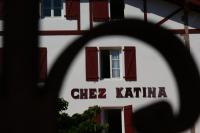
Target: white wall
(151,69)
(85,16)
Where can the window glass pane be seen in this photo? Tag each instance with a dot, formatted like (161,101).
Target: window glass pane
(105,63)
(46,12)
(117,9)
(115,73)
(115,63)
(57,4)
(46,8)
(57,12)
(46,4)
(115,54)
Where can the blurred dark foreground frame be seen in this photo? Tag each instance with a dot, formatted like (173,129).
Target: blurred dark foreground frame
(26,107)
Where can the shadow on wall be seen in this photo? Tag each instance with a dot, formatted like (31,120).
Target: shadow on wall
(162,8)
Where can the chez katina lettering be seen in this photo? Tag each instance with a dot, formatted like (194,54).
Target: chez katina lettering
(91,93)
(137,92)
(127,92)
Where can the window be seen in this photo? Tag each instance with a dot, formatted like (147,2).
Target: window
(110,64)
(115,63)
(116,10)
(51,8)
(113,117)
(119,119)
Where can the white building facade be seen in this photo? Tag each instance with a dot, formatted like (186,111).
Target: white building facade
(117,73)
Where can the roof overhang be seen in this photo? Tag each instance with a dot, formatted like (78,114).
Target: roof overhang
(190,4)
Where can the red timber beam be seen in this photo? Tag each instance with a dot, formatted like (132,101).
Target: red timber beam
(64,32)
(79,22)
(182,31)
(75,32)
(145,10)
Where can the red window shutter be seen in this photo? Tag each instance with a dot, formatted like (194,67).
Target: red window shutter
(42,64)
(130,64)
(98,118)
(100,10)
(128,119)
(72,9)
(91,64)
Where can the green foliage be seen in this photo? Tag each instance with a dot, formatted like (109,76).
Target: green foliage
(62,105)
(78,123)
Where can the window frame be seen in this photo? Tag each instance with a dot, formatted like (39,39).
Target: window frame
(52,12)
(110,59)
(112,9)
(111,12)
(111,64)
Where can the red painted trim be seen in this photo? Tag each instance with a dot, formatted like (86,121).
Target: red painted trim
(182,31)
(91,64)
(42,64)
(98,118)
(76,32)
(130,64)
(72,9)
(128,121)
(79,21)
(145,10)
(78,24)
(100,10)
(178,31)
(194,31)
(62,32)
(169,16)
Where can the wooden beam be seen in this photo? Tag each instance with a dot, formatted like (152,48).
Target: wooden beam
(145,10)
(79,22)
(76,32)
(182,31)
